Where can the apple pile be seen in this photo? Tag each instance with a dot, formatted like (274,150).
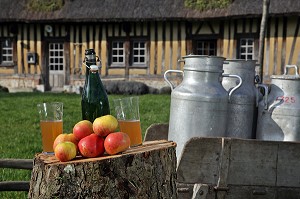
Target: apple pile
(91,139)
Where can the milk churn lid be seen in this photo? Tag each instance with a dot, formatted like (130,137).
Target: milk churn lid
(203,63)
(94,67)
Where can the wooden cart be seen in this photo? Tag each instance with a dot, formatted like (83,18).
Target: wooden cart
(228,168)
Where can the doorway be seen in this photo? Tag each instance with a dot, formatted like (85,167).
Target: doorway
(56,65)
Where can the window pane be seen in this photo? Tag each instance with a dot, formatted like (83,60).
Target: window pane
(246,48)
(139,53)
(6,50)
(118,53)
(206,47)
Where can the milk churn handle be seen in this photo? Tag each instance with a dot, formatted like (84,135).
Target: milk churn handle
(266,91)
(171,71)
(291,66)
(237,86)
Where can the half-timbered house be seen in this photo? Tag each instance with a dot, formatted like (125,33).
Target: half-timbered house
(137,39)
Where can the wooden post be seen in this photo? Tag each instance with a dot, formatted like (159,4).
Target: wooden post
(146,171)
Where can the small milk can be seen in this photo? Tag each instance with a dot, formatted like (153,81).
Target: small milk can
(199,103)
(242,104)
(279,112)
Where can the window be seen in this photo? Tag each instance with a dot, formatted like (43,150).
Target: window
(6,51)
(56,56)
(137,49)
(205,47)
(118,53)
(139,53)
(246,48)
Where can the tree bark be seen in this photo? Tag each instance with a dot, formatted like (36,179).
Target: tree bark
(266,5)
(146,171)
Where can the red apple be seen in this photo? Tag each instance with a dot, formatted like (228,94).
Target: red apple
(105,125)
(64,138)
(65,151)
(116,142)
(91,146)
(82,129)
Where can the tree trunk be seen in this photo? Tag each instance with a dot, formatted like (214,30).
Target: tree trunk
(146,171)
(266,4)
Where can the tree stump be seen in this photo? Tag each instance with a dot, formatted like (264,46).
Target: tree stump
(146,171)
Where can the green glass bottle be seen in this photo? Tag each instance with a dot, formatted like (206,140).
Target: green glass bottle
(94,101)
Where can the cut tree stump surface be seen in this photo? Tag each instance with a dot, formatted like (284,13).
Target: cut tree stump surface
(146,171)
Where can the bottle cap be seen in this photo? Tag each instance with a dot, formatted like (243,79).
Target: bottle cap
(94,68)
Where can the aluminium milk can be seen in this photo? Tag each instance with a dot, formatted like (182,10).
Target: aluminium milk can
(199,103)
(242,104)
(279,112)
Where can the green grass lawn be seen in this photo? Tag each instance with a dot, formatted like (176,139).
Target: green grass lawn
(20,132)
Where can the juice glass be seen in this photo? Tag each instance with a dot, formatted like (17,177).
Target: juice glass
(127,111)
(51,123)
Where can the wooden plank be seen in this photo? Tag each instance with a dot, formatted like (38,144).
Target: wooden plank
(14,186)
(231,41)
(289,39)
(39,49)
(226,40)
(16,163)
(91,38)
(31,46)
(272,47)
(104,55)
(25,43)
(175,46)
(251,192)
(19,51)
(183,46)
(168,64)
(84,46)
(279,52)
(200,161)
(296,52)
(97,42)
(252,163)
(72,40)
(152,48)
(288,166)
(160,50)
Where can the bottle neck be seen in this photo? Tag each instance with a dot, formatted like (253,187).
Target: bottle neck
(89,60)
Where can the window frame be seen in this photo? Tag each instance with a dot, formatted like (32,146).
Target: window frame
(254,45)
(247,48)
(13,47)
(204,38)
(117,64)
(131,63)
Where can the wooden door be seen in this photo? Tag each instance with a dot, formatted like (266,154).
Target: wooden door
(56,65)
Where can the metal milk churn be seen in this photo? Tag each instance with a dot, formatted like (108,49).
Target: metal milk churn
(242,104)
(279,112)
(199,103)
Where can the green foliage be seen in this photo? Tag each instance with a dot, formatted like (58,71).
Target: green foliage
(203,5)
(20,135)
(45,5)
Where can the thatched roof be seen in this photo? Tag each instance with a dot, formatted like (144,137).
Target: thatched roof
(138,10)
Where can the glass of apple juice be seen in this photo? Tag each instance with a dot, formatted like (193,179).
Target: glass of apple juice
(127,112)
(51,123)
